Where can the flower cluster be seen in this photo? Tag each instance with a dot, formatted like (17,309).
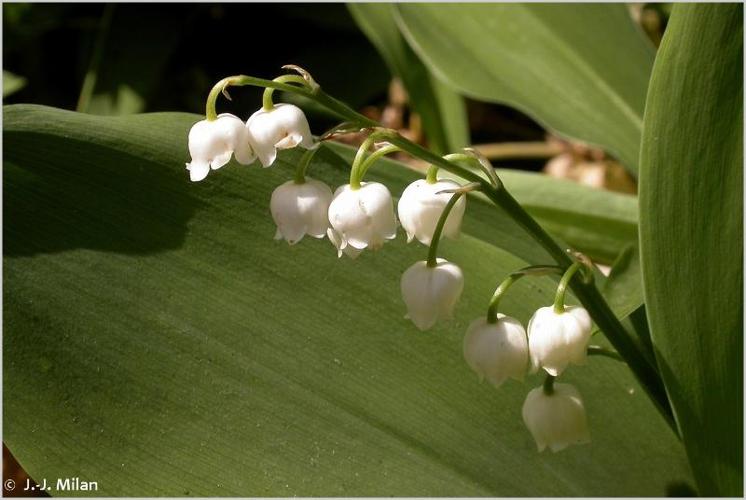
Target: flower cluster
(500,348)
(361,215)
(212,142)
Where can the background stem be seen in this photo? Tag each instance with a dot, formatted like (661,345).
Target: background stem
(89,82)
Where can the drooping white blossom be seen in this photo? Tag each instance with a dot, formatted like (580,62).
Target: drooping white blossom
(496,351)
(211,144)
(283,127)
(431,293)
(556,420)
(420,207)
(361,218)
(300,209)
(556,340)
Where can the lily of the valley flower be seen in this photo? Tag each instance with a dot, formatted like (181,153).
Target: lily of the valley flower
(556,420)
(361,218)
(557,339)
(431,293)
(283,127)
(211,144)
(300,209)
(496,351)
(420,207)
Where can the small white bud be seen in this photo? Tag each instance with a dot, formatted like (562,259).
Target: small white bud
(556,340)
(283,127)
(420,208)
(300,209)
(556,420)
(431,293)
(496,351)
(362,218)
(211,144)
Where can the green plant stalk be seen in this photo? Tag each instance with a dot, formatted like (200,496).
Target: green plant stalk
(374,156)
(305,160)
(89,82)
(508,282)
(559,298)
(355,176)
(595,350)
(267,103)
(587,293)
(548,385)
(432,252)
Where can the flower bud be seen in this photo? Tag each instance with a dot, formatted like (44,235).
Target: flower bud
(283,127)
(556,420)
(300,209)
(211,144)
(496,351)
(556,340)
(420,208)
(362,218)
(431,293)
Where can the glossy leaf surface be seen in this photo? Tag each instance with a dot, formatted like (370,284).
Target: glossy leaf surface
(581,70)
(691,228)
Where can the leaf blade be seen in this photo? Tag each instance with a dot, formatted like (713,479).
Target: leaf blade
(552,61)
(691,220)
(442,110)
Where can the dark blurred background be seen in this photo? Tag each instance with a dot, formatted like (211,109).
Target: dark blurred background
(166,57)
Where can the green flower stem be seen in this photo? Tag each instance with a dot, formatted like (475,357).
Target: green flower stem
(508,282)
(432,253)
(549,385)
(305,160)
(559,298)
(587,293)
(596,350)
(212,97)
(89,82)
(243,80)
(432,174)
(267,102)
(374,156)
(359,159)
(432,171)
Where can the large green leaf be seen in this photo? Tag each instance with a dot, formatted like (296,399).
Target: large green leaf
(691,229)
(157,340)
(442,110)
(581,70)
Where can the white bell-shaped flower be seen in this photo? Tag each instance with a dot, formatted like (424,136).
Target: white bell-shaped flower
(361,218)
(211,144)
(300,209)
(283,127)
(420,207)
(496,351)
(556,340)
(556,420)
(431,293)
